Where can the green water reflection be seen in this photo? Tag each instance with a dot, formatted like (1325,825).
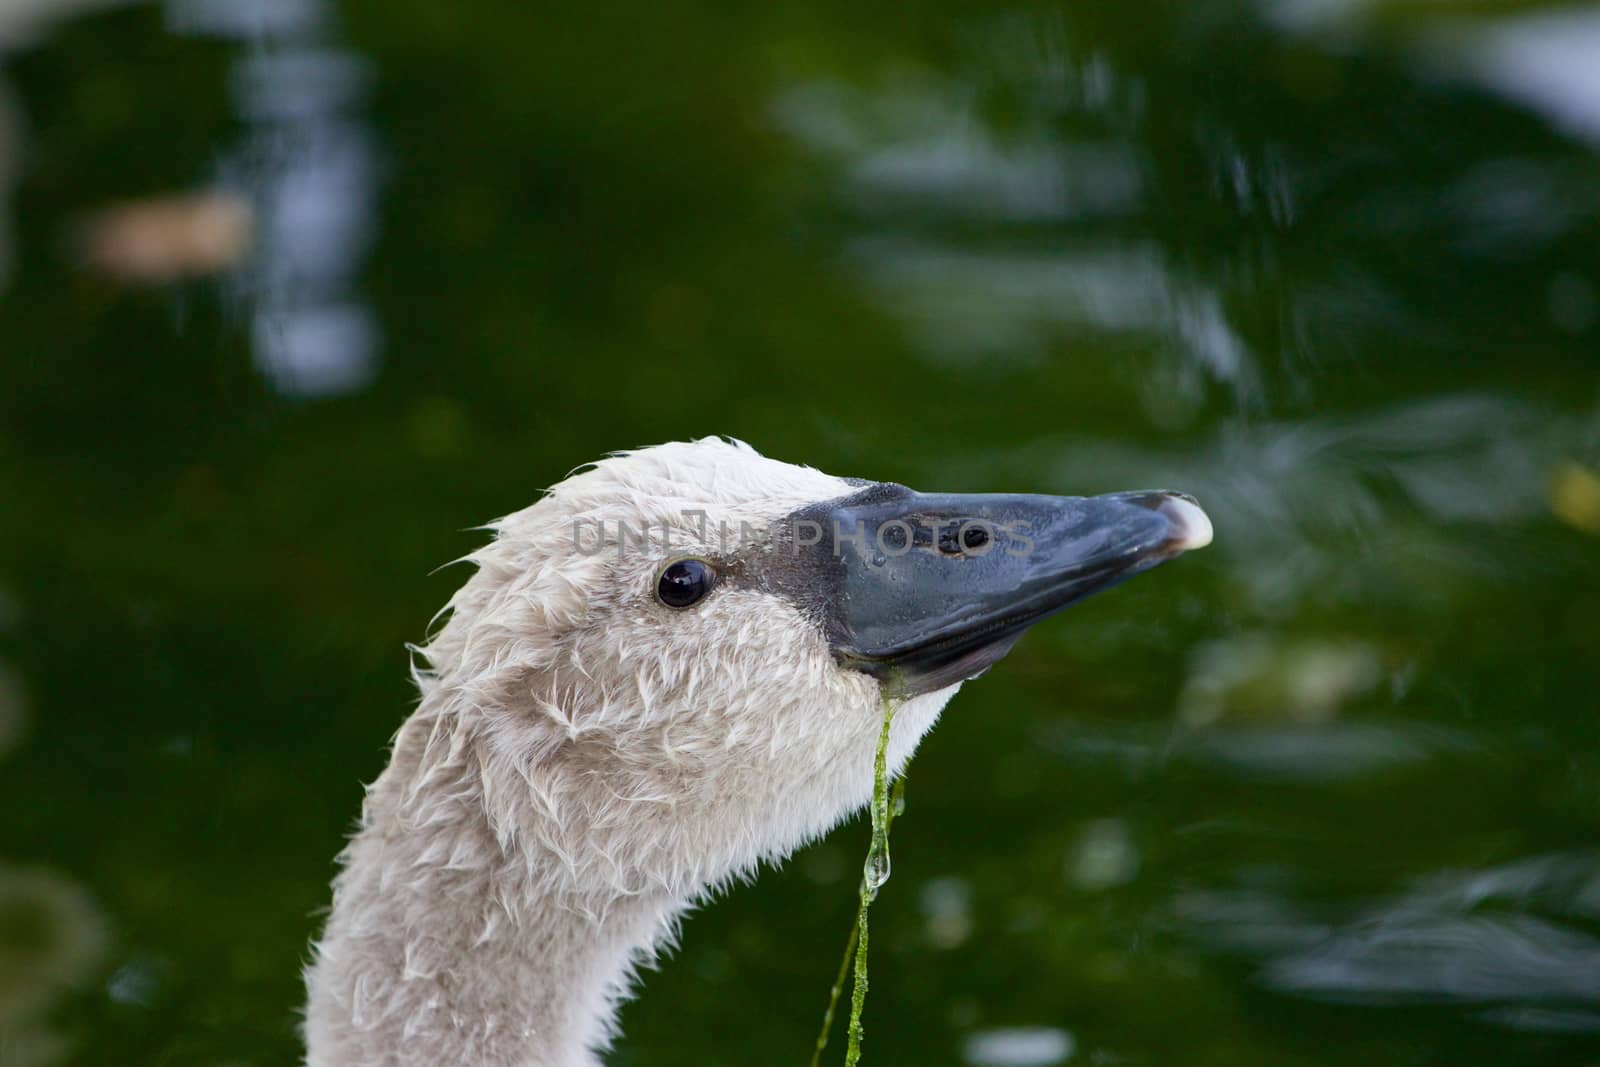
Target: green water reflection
(1327,793)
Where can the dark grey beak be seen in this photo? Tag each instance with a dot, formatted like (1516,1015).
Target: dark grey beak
(924,590)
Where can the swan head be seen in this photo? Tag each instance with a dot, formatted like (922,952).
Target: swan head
(675,664)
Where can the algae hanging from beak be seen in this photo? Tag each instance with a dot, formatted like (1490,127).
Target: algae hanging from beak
(874,873)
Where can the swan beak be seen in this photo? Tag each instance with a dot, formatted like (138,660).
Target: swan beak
(926,590)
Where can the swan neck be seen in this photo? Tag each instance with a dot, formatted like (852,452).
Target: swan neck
(447,944)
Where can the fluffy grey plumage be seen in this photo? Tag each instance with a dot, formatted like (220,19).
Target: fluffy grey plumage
(584,765)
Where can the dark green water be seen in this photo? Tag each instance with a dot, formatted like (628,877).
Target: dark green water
(1327,793)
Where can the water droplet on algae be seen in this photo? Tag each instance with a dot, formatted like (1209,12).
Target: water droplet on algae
(876,869)
(874,873)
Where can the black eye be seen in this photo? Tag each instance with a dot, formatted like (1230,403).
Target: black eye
(685,582)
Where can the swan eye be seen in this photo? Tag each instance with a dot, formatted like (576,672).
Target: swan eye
(685,582)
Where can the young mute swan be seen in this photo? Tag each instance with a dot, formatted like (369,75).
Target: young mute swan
(667,670)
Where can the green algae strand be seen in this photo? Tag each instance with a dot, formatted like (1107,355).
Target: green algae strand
(874,873)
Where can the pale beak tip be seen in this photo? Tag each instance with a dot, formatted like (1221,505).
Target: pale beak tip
(1192,525)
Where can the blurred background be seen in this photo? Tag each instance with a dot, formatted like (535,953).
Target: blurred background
(294,293)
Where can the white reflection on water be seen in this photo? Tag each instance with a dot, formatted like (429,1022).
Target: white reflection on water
(968,305)
(1548,61)
(1258,675)
(946,905)
(1545,59)
(1022,1046)
(136,981)
(1502,937)
(1318,754)
(1103,857)
(306,160)
(919,145)
(1289,499)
